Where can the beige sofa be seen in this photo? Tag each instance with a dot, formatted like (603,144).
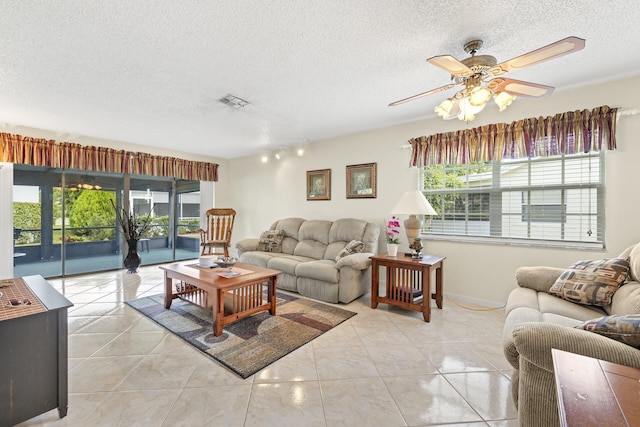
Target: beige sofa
(537,321)
(307,257)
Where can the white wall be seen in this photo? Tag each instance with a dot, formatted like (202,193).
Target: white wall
(262,193)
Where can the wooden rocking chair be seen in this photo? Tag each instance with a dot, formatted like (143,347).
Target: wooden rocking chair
(218,232)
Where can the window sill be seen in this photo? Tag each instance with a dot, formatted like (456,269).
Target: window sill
(515,242)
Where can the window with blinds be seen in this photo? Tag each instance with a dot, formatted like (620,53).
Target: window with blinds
(548,199)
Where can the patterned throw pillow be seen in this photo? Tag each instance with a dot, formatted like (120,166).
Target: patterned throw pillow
(591,282)
(271,241)
(353,247)
(622,327)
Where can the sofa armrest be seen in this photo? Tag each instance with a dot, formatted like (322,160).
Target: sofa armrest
(534,341)
(247,245)
(537,278)
(359,261)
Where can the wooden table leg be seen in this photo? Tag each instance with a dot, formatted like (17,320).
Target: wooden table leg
(218,311)
(168,291)
(271,292)
(426,293)
(439,278)
(375,286)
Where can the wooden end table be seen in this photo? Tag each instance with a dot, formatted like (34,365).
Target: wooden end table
(593,392)
(229,298)
(408,282)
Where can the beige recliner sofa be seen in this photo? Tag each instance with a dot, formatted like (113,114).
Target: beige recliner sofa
(307,257)
(537,321)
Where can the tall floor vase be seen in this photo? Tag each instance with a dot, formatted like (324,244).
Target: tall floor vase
(132,260)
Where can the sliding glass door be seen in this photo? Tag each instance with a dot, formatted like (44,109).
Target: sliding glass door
(153,196)
(65,223)
(187,220)
(88,228)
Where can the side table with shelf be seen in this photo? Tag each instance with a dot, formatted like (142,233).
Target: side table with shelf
(408,282)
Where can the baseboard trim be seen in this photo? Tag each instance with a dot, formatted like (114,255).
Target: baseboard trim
(476,301)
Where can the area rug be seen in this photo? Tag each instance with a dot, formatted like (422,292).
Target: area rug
(251,344)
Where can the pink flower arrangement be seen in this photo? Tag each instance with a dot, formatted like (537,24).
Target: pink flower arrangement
(393,229)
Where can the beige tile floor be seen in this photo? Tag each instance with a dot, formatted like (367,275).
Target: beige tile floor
(383,367)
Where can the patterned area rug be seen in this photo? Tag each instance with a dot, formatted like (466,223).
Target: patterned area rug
(250,344)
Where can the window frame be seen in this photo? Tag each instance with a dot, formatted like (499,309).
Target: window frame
(496,213)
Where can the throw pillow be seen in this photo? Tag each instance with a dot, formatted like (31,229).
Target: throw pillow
(353,247)
(271,241)
(591,282)
(621,327)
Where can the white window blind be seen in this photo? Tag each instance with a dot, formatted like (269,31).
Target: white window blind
(547,199)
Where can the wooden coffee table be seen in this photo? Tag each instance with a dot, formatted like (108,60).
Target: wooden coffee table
(229,298)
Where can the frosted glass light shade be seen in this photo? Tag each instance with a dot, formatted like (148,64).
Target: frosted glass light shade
(503,100)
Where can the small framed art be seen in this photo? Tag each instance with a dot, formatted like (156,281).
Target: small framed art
(319,184)
(361,181)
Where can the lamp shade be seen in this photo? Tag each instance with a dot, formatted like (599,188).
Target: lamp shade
(413,203)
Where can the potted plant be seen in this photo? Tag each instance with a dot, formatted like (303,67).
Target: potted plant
(133,227)
(393,229)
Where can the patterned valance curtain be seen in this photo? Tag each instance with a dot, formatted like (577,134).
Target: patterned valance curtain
(47,152)
(564,133)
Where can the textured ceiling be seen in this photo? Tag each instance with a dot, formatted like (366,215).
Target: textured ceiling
(151,72)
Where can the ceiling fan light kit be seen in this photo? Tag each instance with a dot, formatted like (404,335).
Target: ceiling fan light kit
(480,76)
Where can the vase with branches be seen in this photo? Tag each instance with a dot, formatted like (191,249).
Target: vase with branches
(133,227)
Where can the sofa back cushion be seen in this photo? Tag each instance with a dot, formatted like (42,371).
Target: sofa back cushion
(341,233)
(320,239)
(634,263)
(626,300)
(291,227)
(313,238)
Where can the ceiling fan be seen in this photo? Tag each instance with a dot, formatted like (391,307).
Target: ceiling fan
(482,79)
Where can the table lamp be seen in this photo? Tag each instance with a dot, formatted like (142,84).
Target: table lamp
(413,203)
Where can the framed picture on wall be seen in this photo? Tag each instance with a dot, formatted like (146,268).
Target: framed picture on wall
(361,181)
(319,184)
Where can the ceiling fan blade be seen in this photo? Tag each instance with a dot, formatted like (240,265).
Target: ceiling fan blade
(451,65)
(420,95)
(554,50)
(521,88)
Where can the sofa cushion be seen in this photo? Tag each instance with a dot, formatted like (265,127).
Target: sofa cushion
(626,299)
(353,247)
(623,328)
(549,304)
(271,241)
(323,270)
(591,282)
(286,263)
(256,258)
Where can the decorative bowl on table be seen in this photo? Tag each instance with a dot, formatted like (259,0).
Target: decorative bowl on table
(227,262)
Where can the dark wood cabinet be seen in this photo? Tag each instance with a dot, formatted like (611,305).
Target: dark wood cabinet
(33,353)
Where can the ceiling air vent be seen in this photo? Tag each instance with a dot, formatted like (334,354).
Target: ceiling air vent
(233,101)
